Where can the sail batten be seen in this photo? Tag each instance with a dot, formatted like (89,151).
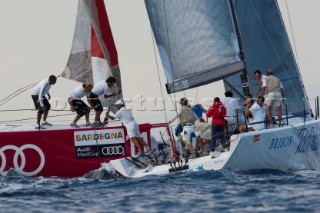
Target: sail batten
(194,39)
(205,77)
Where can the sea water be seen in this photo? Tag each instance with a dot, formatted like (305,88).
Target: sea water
(205,191)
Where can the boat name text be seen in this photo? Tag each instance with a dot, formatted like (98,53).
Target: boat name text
(308,140)
(281,142)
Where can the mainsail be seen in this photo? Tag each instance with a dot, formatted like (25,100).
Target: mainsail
(93,55)
(266,46)
(197,41)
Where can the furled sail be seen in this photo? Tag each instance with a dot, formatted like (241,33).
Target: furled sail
(93,55)
(266,46)
(196,40)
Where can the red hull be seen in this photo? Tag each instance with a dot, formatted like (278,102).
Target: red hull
(65,153)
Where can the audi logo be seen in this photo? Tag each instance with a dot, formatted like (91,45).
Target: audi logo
(19,152)
(112,150)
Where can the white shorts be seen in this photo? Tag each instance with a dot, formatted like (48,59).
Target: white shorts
(133,130)
(203,130)
(186,133)
(232,124)
(273,99)
(206,134)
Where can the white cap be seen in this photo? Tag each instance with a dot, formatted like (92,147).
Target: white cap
(119,102)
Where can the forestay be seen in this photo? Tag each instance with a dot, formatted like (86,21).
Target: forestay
(196,40)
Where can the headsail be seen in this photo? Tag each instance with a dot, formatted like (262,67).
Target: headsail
(93,56)
(266,46)
(196,40)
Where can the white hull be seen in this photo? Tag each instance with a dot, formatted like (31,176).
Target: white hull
(287,148)
(284,148)
(126,168)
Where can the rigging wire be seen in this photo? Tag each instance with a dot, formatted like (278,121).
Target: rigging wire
(197,95)
(168,44)
(16,93)
(292,34)
(51,116)
(175,102)
(26,119)
(15,110)
(30,85)
(158,72)
(274,48)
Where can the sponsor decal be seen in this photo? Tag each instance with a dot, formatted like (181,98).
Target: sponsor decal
(308,140)
(255,138)
(100,137)
(185,84)
(281,142)
(106,136)
(200,168)
(99,143)
(87,152)
(111,150)
(19,153)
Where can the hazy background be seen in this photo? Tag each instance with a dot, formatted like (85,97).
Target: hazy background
(36,38)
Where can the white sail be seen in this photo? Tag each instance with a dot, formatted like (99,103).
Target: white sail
(93,55)
(197,41)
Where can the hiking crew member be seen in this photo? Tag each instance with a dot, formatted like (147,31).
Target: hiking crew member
(41,103)
(76,104)
(103,87)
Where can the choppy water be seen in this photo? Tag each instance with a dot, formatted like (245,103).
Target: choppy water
(207,191)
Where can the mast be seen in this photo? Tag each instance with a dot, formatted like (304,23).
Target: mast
(244,77)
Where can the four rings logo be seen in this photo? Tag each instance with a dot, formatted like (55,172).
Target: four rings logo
(19,152)
(112,150)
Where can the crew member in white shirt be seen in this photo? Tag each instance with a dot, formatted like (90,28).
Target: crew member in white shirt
(103,87)
(126,117)
(76,104)
(257,110)
(231,104)
(41,103)
(261,79)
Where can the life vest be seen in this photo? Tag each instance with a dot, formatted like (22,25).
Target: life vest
(187,115)
(273,84)
(217,112)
